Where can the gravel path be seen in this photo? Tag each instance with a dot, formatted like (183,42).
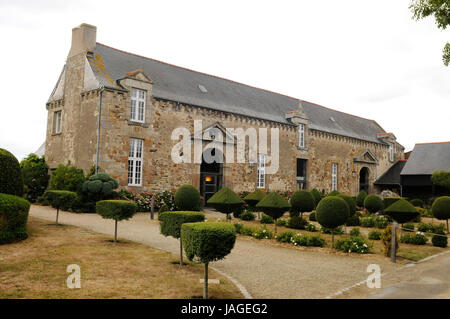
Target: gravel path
(265,270)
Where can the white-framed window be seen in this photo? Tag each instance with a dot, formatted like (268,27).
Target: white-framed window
(391,152)
(135,162)
(137,113)
(261,179)
(301,135)
(57,121)
(334,176)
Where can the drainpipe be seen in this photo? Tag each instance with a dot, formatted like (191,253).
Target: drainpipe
(98,128)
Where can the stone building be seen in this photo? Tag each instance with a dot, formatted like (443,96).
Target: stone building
(117,110)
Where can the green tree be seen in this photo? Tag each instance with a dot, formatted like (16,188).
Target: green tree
(67,178)
(441,178)
(440,9)
(35,176)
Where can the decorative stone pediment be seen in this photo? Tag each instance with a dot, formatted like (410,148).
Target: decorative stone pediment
(212,132)
(138,75)
(366,157)
(297,116)
(136,79)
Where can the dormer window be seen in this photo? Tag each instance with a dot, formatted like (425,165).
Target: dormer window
(137,105)
(301,135)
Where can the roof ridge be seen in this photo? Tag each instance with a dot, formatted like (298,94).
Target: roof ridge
(432,143)
(207,74)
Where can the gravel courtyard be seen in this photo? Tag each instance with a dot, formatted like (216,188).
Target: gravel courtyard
(266,271)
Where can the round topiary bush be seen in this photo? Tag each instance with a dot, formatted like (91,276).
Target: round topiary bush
(401,211)
(360,198)
(373,203)
(316,195)
(417,202)
(207,242)
(225,201)
(274,205)
(254,198)
(60,200)
(301,202)
(171,222)
(332,212)
(333,193)
(117,210)
(187,198)
(11,181)
(350,202)
(441,209)
(13,218)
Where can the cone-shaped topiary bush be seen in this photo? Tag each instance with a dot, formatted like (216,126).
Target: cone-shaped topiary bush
(441,209)
(401,211)
(360,198)
(187,198)
(316,195)
(274,205)
(301,202)
(117,210)
(373,203)
(388,201)
(332,212)
(13,218)
(254,198)
(350,202)
(11,181)
(207,242)
(171,223)
(225,201)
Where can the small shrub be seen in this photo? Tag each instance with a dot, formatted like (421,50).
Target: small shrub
(297,222)
(381,222)
(35,176)
(247,215)
(408,227)
(414,239)
(266,219)
(353,221)
(316,241)
(187,198)
(337,231)
(368,221)
(310,227)
(163,208)
(439,241)
(355,232)
(68,178)
(373,203)
(312,217)
(247,231)
(117,210)
(13,218)
(374,235)
(355,244)
(360,198)
(263,233)
(285,237)
(281,222)
(386,237)
(238,227)
(417,202)
(300,240)
(11,180)
(430,228)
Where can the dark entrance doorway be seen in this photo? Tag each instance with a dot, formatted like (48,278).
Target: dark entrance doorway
(364,179)
(210,176)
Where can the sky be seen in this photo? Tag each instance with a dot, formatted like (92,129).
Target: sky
(367,58)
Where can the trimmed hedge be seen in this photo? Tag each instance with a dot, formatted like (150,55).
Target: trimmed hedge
(301,202)
(414,239)
(187,198)
(225,201)
(208,242)
(360,198)
(401,211)
(13,218)
(11,180)
(171,222)
(116,209)
(439,241)
(373,203)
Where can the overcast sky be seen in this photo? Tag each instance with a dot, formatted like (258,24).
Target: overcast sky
(368,58)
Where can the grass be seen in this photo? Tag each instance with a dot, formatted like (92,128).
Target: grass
(36,268)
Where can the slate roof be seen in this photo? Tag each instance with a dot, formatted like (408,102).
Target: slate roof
(392,175)
(427,158)
(182,85)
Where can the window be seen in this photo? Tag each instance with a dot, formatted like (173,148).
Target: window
(57,122)
(301,173)
(391,152)
(334,176)
(137,105)
(135,162)
(301,135)
(261,182)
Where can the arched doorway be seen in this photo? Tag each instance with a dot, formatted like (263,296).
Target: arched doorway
(211,173)
(364,179)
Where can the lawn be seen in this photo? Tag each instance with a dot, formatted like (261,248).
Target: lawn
(36,268)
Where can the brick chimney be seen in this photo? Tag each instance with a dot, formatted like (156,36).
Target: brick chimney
(84,38)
